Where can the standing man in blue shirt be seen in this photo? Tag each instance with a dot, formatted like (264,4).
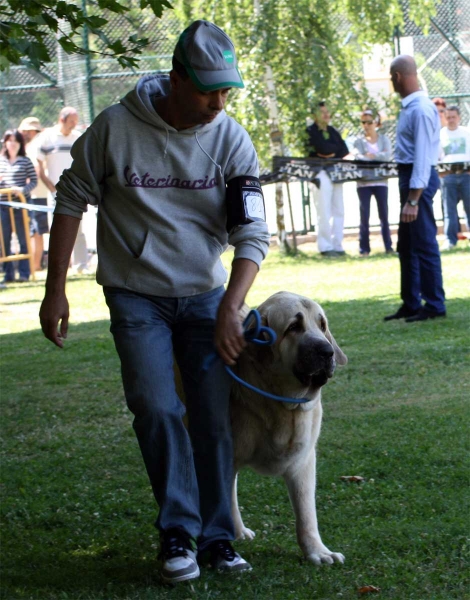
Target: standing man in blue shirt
(416,152)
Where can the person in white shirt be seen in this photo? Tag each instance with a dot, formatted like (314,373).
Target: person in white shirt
(455,142)
(53,155)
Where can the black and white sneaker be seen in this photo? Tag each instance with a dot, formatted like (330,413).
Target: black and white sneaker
(178,552)
(224,558)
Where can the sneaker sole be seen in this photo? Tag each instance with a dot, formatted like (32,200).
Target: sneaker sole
(178,578)
(237,569)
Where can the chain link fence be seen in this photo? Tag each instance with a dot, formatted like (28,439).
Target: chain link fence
(442,54)
(89,85)
(25,92)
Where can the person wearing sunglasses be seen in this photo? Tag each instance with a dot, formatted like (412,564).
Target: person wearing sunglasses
(372,145)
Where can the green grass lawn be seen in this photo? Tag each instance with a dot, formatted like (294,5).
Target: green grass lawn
(77,510)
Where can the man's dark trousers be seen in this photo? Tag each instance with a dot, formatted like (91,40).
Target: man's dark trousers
(420,260)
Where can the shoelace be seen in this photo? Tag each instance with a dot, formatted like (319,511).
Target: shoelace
(175,544)
(225,550)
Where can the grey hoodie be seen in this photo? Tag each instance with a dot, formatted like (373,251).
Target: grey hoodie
(161,196)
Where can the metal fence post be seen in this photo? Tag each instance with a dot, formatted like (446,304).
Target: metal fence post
(88,69)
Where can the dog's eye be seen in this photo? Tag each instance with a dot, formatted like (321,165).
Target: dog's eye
(296,326)
(323,324)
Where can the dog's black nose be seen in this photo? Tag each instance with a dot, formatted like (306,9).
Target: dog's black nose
(325,350)
(314,356)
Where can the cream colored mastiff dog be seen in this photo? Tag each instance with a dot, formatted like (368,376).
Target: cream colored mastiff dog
(276,438)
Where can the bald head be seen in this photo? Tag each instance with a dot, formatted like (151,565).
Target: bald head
(67,111)
(404,75)
(68,120)
(404,64)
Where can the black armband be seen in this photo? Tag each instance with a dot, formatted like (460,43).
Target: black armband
(245,201)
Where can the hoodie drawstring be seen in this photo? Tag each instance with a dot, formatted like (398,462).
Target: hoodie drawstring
(208,155)
(166,142)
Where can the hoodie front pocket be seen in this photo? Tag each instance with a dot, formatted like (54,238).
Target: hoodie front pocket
(177,261)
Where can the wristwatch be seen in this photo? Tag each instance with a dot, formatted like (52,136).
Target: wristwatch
(412,202)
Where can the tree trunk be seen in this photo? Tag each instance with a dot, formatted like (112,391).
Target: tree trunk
(277,149)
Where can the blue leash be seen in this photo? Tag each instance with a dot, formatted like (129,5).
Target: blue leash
(253,335)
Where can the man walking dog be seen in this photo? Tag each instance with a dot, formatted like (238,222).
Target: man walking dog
(175,180)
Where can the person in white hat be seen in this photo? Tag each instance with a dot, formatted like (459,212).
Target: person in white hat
(175,180)
(30,128)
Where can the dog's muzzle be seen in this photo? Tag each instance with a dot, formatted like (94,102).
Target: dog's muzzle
(315,362)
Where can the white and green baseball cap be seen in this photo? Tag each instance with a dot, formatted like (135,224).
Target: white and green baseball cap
(208,55)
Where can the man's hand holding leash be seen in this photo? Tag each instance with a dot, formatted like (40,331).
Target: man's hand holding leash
(229,340)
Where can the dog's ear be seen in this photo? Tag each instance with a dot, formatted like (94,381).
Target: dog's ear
(264,320)
(340,356)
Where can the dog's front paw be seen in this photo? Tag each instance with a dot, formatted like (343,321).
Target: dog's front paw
(243,533)
(322,556)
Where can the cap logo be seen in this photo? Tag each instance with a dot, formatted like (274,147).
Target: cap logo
(228,55)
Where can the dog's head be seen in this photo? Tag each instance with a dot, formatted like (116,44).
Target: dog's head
(305,354)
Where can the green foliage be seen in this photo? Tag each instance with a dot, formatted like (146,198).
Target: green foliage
(314,49)
(25,27)
(421,12)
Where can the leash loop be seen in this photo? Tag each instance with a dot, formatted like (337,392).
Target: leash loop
(255,335)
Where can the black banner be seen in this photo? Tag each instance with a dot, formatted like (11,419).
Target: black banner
(286,168)
(447,168)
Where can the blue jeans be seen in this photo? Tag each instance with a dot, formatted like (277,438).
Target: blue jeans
(190,470)
(420,260)
(23,265)
(381,195)
(455,187)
